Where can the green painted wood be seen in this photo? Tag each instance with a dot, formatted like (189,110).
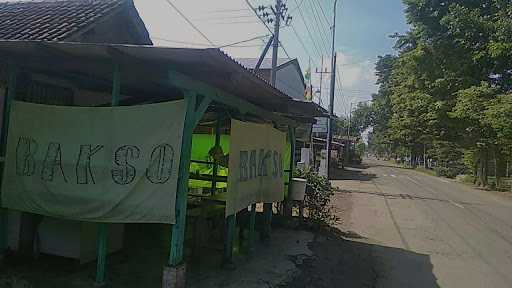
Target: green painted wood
(229,239)
(201,108)
(267,216)
(291,137)
(193,115)
(252,230)
(217,144)
(101,264)
(187,83)
(11,95)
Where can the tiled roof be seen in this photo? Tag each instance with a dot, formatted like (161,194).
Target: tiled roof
(250,63)
(51,20)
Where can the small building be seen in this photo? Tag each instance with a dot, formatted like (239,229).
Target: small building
(233,99)
(289,77)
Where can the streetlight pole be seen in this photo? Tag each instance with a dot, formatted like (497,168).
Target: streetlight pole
(346,158)
(333,82)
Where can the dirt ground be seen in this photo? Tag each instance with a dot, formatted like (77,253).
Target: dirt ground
(294,258)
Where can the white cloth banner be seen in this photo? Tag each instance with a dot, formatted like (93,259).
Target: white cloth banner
(255,165)
(99,164)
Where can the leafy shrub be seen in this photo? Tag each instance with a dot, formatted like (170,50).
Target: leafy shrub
(448,172)
(318,197)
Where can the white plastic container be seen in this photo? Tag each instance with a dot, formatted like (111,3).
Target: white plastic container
(298,189)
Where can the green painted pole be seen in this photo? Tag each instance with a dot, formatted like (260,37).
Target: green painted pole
(252,230)
(101,263)
(178,229)
(267,216)
(11,94)
(229,239)
(215,164)
(102,249)
(291,135)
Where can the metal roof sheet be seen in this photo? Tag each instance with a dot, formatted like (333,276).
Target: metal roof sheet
(146,69)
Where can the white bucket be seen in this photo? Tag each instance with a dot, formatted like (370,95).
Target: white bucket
(298,189)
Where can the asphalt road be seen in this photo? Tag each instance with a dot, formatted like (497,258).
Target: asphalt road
(428,231)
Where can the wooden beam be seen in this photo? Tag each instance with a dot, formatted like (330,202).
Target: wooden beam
(291,138)
(187,83)
(194,112)
(229,239)
(252,230)
(218,124)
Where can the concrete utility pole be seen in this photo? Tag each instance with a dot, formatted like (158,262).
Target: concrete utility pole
(333,82)
(321,72)
(348,134)
(277,14)
(275,47)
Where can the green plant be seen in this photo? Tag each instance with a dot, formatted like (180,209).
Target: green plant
(318,197)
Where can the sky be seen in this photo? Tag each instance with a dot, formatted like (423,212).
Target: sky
(362,33)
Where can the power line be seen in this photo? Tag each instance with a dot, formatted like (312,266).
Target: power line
(318,25)
(230,10)
(180,42)
(189,22)
(338,81)
(307,28)
(244,41)
(300,41)
(323,13)
(224,17)
(235,44)
(237,22)
(298,6)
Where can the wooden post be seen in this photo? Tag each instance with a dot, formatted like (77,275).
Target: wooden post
(215,164)
(291,136)
(230,232)
(10,96)
(289,204)
(267,217)
(193,115)
(102,247)
(178,229)
(252,230)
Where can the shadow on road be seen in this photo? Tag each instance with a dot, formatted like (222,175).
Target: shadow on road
(405,197)
(353,173)
(344,262)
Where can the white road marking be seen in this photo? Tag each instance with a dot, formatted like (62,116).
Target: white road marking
(456,204)
(414,181)
(394,176)
(385,175)
(445,181)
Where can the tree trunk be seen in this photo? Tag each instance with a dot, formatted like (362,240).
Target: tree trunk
(496,170)
(483,168)
(425,156)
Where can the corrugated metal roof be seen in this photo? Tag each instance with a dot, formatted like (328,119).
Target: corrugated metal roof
(145,70)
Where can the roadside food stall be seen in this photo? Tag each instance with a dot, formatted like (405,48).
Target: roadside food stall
(116,134)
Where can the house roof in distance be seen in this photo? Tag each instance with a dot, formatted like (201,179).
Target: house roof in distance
(250,63)
(52,20)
